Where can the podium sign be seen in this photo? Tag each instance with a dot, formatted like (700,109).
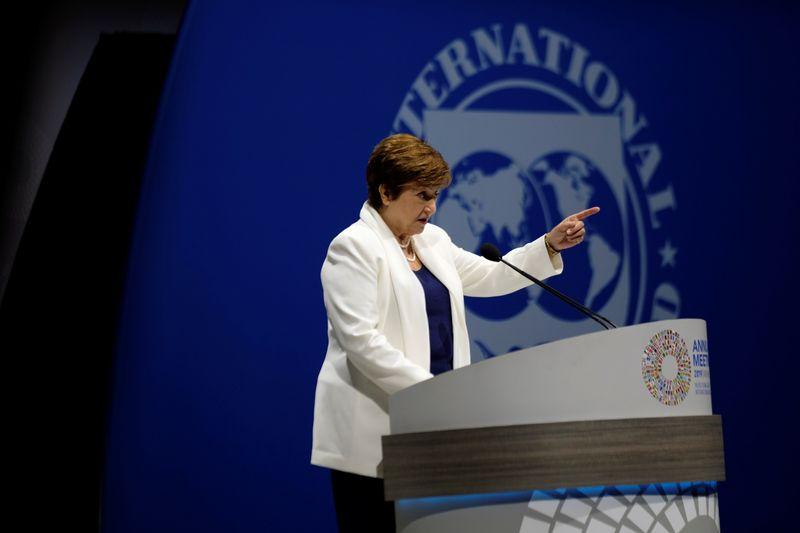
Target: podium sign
(598,432)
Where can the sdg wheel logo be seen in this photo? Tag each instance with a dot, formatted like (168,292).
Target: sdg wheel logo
(667,348)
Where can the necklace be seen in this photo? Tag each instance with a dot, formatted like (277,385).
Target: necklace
(405,248)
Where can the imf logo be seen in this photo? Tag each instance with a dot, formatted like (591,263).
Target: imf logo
(534,129)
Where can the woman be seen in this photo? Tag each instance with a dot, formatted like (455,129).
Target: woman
(394,287)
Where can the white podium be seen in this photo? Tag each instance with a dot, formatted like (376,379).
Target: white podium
(610,431)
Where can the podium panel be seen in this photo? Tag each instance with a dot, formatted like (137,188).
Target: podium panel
(599,432)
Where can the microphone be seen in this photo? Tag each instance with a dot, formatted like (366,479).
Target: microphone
(490,252)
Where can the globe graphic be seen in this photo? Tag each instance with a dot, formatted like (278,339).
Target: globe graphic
(494,199)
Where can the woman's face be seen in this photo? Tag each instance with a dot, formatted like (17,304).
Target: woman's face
(408,214)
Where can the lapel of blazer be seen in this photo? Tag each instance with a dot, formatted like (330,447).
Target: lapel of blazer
(436,263)
(408,292)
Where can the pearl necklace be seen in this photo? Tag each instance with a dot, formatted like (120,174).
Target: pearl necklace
(405,251)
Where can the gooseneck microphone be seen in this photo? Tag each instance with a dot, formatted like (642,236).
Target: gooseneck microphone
(490,252)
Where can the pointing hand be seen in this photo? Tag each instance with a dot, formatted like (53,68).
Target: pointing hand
(571,230)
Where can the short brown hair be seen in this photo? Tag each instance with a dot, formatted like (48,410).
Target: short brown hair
(402,159)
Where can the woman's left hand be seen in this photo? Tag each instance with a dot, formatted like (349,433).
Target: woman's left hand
(571,230)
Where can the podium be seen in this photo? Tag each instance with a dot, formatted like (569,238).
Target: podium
(609,431)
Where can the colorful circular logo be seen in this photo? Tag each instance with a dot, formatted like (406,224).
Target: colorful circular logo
(664,344)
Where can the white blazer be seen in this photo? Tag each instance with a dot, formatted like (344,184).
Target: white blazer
(378,338)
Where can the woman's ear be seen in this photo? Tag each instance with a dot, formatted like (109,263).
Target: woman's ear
(385,199)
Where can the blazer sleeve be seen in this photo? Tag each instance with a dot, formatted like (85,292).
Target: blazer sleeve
(481,277)
(350,290)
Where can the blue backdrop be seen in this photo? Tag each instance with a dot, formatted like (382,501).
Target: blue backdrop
(257,161)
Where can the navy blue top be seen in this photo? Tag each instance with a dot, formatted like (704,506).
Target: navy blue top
(440,321)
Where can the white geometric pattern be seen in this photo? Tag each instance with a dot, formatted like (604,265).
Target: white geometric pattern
(667,508)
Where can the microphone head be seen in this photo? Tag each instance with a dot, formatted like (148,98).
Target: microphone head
(490,252)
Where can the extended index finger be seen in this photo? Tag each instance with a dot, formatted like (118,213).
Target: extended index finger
(587,213)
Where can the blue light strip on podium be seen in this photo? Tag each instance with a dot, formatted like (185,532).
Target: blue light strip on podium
(468,500)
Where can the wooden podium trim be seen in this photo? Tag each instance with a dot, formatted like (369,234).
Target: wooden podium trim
(557,455)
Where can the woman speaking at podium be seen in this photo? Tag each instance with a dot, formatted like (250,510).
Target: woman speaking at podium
(394,287)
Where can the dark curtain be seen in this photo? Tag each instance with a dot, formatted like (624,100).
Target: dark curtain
(59,316)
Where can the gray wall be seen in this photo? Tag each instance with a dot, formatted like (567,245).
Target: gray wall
(48,49)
